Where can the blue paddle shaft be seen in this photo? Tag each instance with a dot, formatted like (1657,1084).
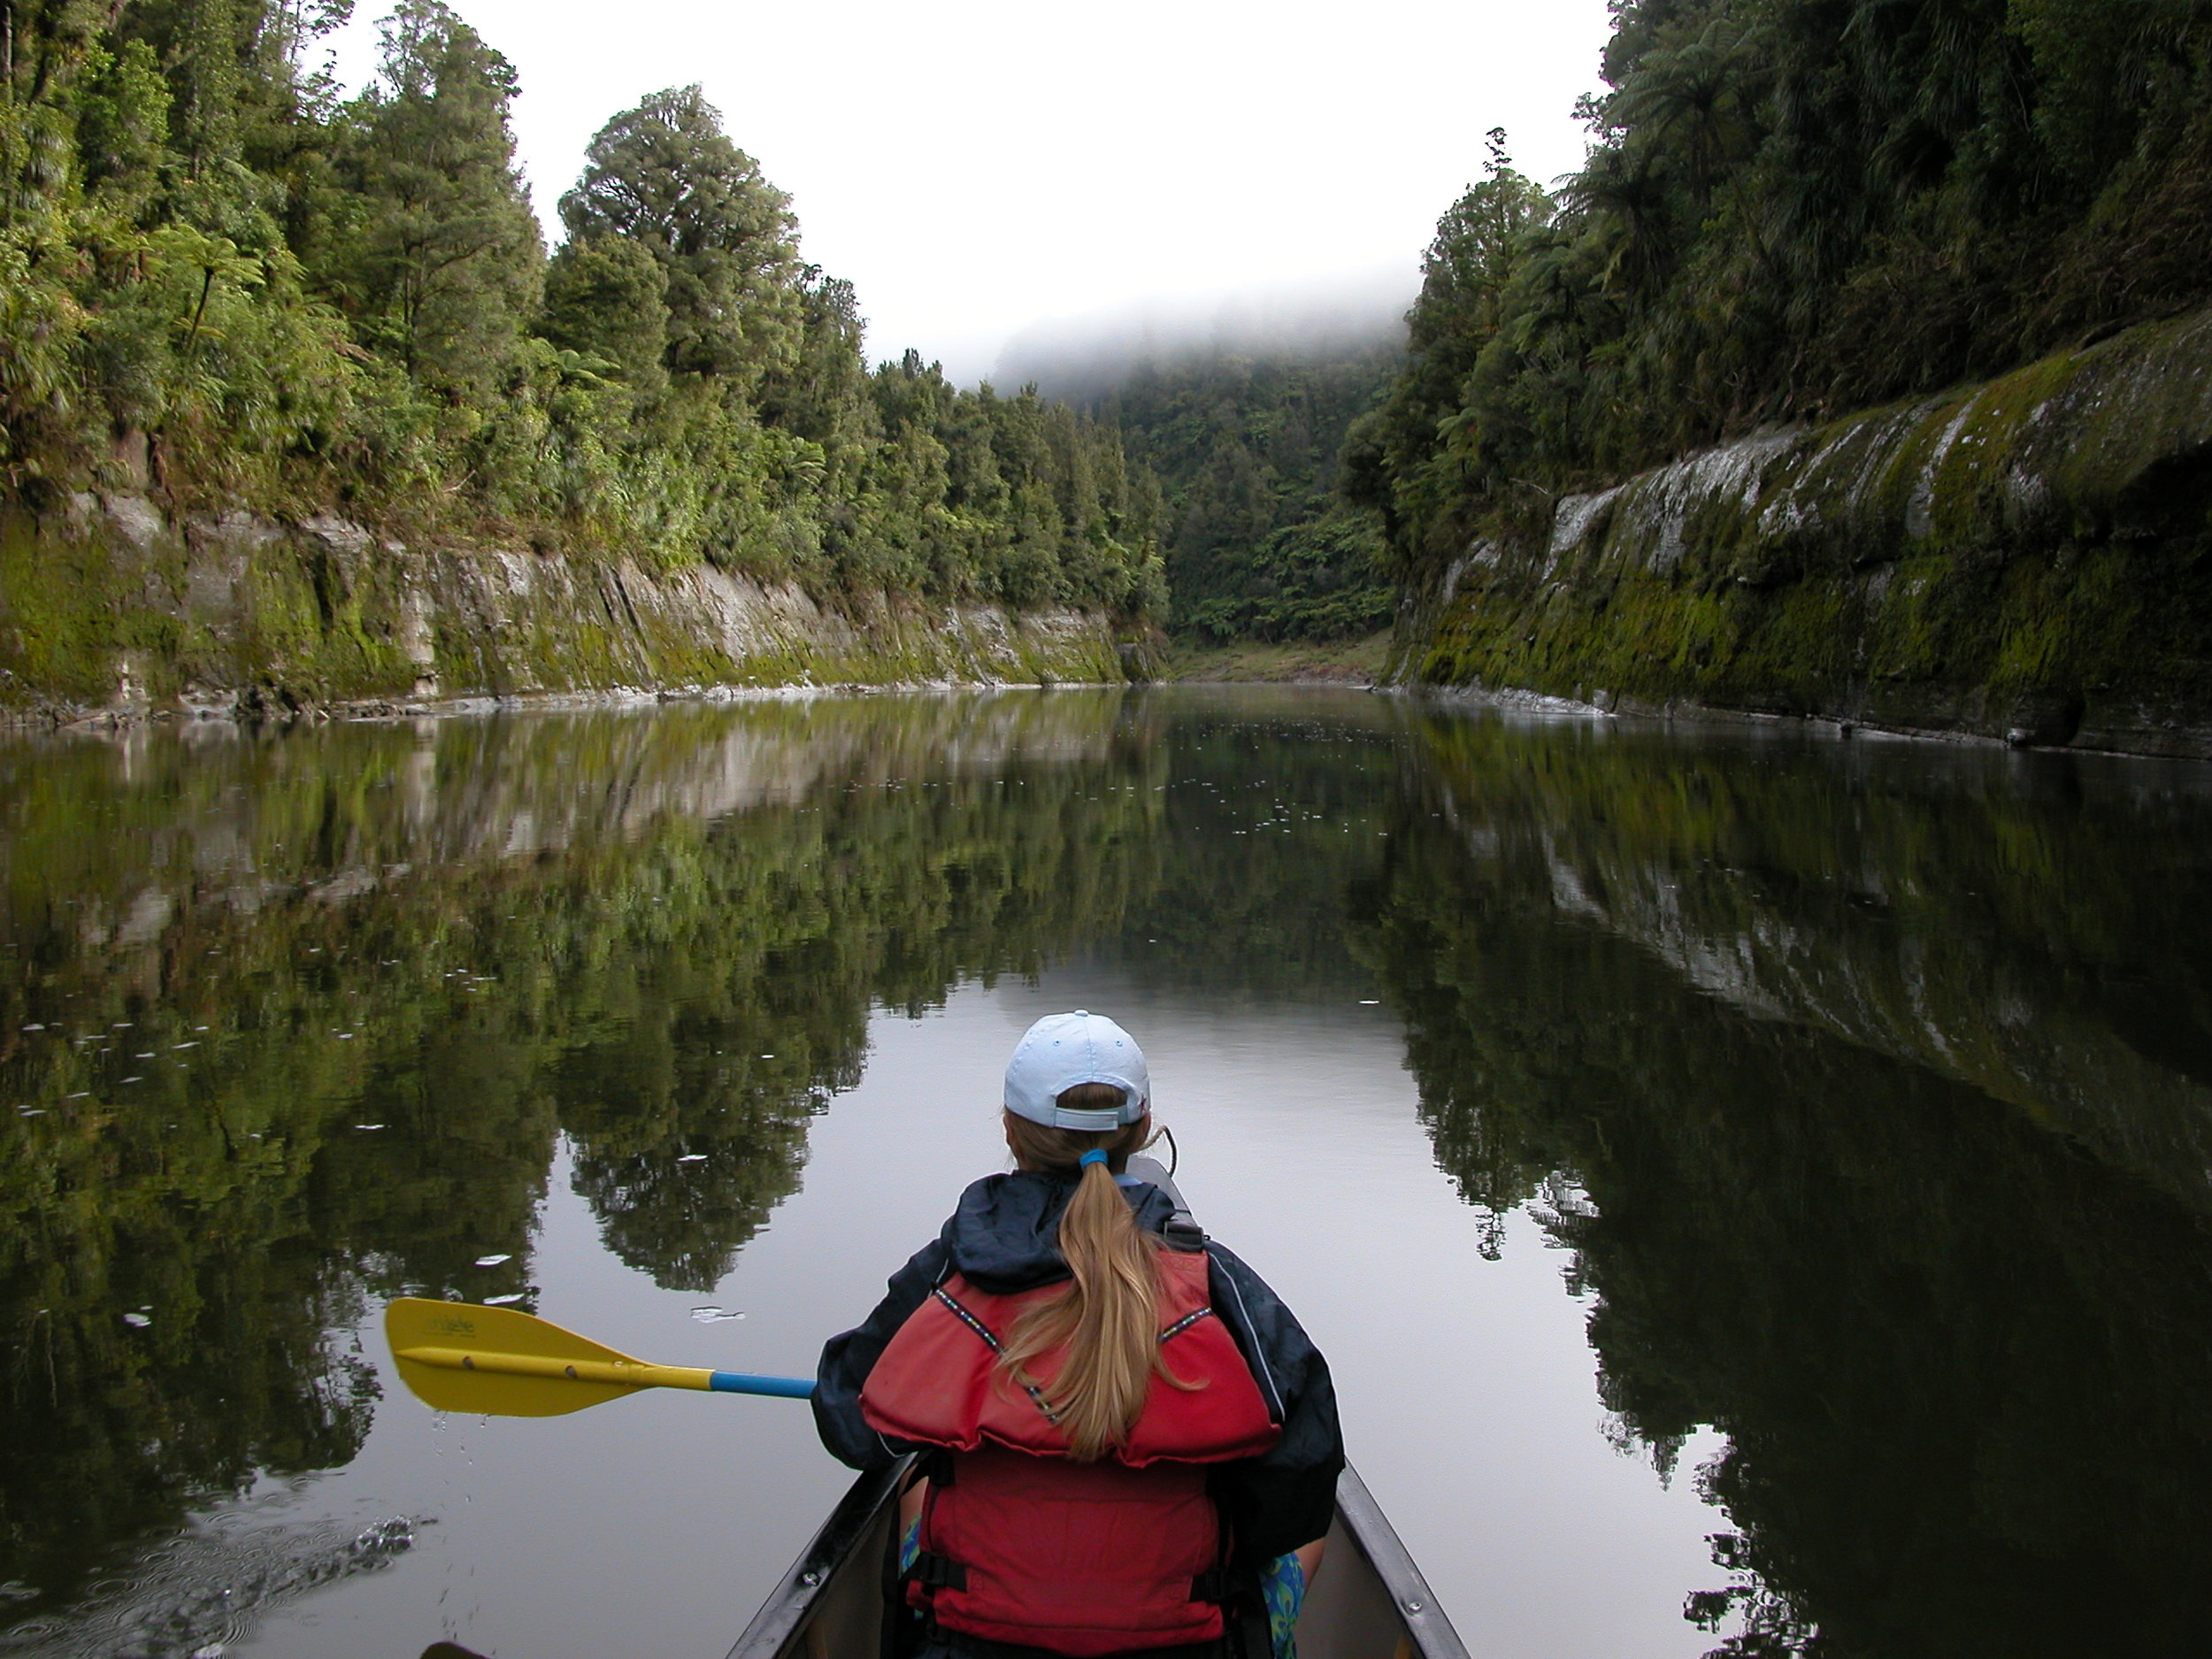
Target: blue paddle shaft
(738,1382)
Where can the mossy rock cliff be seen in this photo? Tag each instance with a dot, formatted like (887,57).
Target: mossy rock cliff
(112,607)
(2025,559)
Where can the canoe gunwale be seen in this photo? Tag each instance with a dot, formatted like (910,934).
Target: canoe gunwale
(1433,1637)
(785,1613)
(788,1605)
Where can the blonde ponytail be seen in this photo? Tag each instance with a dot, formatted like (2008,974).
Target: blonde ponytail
(1108,1316)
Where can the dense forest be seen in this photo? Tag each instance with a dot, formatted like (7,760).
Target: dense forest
(1260,543)
(1792,209)
(225,283)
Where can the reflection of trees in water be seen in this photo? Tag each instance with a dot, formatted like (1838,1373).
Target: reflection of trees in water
(656,939)
(381,970)
(111,1430)
(1269,817)
(1885,1192)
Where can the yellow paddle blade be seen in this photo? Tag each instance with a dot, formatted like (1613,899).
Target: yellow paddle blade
(497,1334)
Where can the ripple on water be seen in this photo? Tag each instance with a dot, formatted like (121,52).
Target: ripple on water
(196,1596)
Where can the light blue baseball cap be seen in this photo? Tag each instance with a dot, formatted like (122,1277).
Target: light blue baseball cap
(1062,1050)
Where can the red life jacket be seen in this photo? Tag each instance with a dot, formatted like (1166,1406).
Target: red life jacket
(1023,1545)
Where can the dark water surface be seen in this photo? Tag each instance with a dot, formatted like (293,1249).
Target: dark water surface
(1738,1168)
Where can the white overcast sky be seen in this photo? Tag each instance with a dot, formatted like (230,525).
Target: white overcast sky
(975,165)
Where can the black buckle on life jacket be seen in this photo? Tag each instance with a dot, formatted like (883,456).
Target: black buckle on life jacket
(1212,1586)
(934,1571)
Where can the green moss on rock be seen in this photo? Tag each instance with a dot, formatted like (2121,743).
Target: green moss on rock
(109,606)
(2024,558)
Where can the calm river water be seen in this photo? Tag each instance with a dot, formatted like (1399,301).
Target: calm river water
(1748,1185)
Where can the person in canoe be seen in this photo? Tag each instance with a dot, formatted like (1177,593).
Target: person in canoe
(1127,1445)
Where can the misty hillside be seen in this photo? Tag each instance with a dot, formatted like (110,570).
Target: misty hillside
(1239,405)
(1258,542)
(1080,360)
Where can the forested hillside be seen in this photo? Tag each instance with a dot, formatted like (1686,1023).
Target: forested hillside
(1259,542)
(225,284)
(1793,208)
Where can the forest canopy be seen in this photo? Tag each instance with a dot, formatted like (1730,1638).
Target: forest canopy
(223,280)
(1792,209)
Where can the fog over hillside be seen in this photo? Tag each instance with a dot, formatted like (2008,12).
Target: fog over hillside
(1080,359)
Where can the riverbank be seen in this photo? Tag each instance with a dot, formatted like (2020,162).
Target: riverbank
(116,610)
(1360,662)
(2027,560)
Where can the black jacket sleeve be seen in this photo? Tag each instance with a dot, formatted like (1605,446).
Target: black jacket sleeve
(1276,1502)
(847,1359)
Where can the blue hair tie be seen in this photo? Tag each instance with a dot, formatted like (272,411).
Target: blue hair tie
(1096,1155)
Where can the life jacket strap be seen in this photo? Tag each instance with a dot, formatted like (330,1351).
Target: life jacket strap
(934,1571)
(990,1340)
(990,1337)
(1184,1323)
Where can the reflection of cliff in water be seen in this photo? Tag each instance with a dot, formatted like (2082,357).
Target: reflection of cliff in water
(1983,915)
(289,1022)
(1867,1090)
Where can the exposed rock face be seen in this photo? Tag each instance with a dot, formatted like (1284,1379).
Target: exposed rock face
(2024,560)
(113,607)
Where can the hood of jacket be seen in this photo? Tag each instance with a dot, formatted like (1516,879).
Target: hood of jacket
(1005,1234)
